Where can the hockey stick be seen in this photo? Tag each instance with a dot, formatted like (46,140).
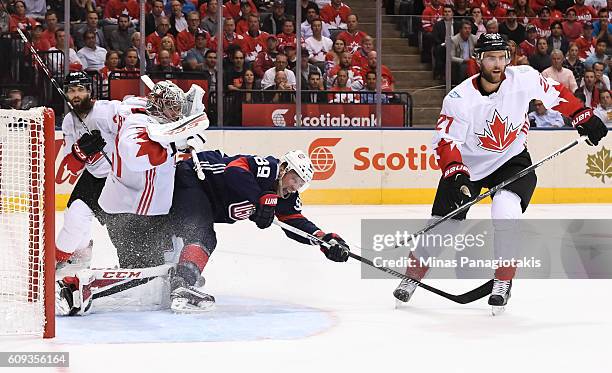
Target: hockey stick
(494,190)
(471,296)
(57,87)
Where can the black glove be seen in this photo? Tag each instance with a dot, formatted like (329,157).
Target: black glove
(589,124)
(264,212)
(457,183)
(338,251)
(88,145)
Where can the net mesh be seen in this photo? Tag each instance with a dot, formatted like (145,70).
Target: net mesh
(22,160)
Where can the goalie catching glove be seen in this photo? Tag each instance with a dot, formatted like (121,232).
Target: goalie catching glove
(338,250)
(88,145)
(264,211)
(588,124)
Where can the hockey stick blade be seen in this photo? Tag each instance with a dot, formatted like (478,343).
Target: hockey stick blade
(469,297)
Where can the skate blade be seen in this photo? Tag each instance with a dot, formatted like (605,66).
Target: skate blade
(182,306)
(497,310)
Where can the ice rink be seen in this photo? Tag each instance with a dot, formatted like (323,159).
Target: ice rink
(283,307)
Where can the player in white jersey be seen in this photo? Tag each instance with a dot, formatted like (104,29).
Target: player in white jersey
(82,155)
(480,141)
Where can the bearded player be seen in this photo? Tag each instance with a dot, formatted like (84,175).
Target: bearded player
(82,155)
(480,141)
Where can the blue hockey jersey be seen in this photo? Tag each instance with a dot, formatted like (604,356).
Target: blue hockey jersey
(233,185)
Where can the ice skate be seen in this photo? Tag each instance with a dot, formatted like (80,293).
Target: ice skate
(189,299)
(499,296)
(404,292)
(73,295)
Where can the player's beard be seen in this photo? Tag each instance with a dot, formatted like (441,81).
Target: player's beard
(83,106)
(489,77)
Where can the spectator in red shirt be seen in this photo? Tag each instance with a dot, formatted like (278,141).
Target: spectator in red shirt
(242,24)
(287,36)
(586,43)
(342,85)
(111,63)
(431,15)
(332,58)
(114,8)
(335,14)
(167,43)
(185,40)
(355,77)
(19,19)
(165,63)
(387,81)
(543,22)
(39,43)
(360,58)
(571,28)
(492,10)
(255,40)
(352,37)
(154,40)
(52,26)
(230,37)
(233,8)
(584,12)
(265,59)
(555,14)
(528,47)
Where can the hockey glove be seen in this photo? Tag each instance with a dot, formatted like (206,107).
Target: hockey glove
(338,251)
(588,124)
(456,179)
(264,211)
(88,145)
(195,142)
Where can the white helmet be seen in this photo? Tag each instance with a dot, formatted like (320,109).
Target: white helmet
(299,162)
(165,102)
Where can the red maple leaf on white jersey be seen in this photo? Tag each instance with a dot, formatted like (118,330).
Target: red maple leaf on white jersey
(157,154)
(498,135)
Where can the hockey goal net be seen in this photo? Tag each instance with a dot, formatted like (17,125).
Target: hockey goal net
(27,214)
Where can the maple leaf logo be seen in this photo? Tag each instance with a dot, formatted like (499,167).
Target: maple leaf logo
(497,136)
(599,165)
(157,154)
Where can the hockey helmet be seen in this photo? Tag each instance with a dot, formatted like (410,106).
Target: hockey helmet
(299,162)
(166,101)
(77,78)
(490,42)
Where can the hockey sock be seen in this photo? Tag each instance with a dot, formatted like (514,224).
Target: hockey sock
(191,263)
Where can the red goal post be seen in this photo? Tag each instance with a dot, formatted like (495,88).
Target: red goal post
(27,222)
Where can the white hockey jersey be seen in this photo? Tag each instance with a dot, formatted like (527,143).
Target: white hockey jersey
(103,117)
(483,132)
(142,177)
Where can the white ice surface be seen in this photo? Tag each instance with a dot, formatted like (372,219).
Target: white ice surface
(549,326)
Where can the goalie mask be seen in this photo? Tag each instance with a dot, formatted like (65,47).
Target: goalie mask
(296,173)
(165,102)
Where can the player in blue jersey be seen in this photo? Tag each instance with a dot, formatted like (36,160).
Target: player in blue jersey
(237,188)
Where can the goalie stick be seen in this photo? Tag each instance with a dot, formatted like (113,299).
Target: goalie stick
(43,66)
(471,296)
(492,191)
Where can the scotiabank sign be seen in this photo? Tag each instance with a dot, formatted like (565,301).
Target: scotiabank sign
(322,115)
(412,159)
